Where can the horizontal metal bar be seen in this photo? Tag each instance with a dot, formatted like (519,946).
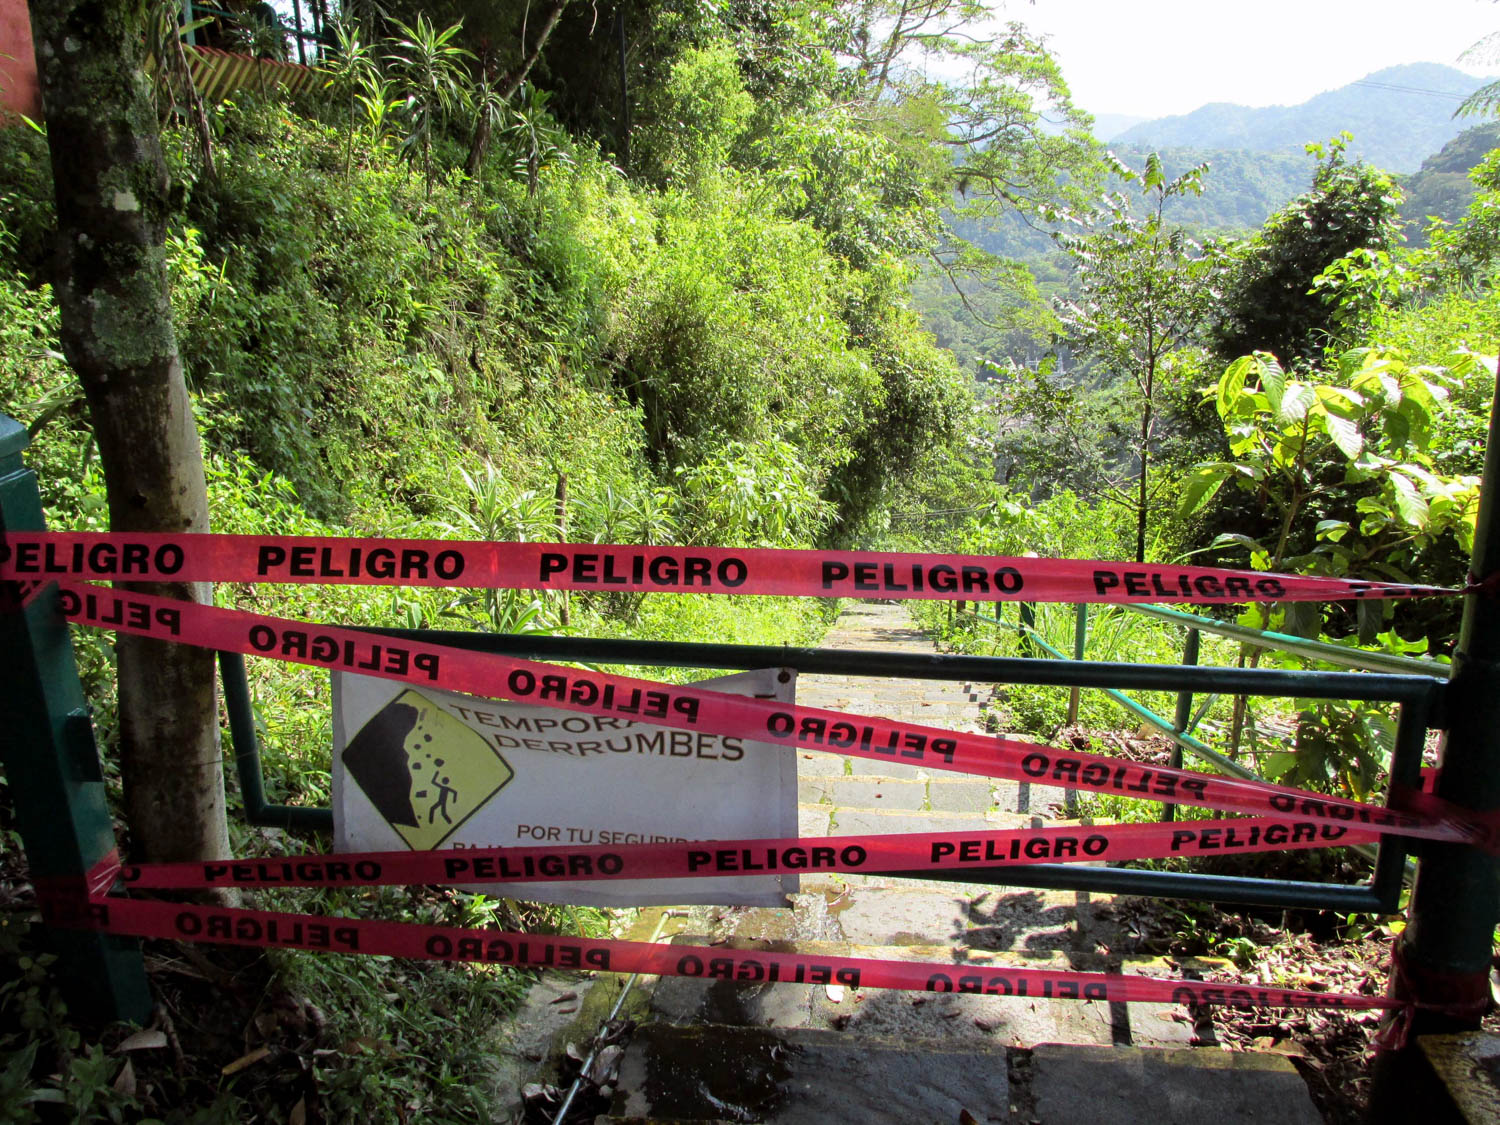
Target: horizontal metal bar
(1406,871)
(939,666)
(1391,663)
(1239,889)
(245,20)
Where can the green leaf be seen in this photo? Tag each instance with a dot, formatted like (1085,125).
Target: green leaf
(1304,619)
(1410,504)
(1236,539)
(1345,435)
(1232,384)
(1153,176)
(1279,765)
(1332,530)
(1202,484)
(1273,383)
(1296,401)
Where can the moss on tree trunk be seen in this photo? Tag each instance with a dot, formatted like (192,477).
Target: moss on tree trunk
(112,205)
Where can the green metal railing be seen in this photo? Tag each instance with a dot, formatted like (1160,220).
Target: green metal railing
(52,767)
(1340,655)
(1179,728)
(1417,697)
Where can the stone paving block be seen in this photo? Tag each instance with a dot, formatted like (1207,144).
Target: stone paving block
(806,1077)
(1017,1021)
(960,796)
(820,765)
(879,793)
(815,790)
(692,1001)
(873,767)
(1466,1065)
(900,917)
(861,822)
(1131,1086)
(1008,795)
(813,820)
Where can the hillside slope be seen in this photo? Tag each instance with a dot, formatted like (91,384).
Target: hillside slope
(1397,115)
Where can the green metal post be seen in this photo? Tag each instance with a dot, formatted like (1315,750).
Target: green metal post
(1184,714)
(297,21)
(52,767)
(1028,625)
(1080,643)
(1446,948)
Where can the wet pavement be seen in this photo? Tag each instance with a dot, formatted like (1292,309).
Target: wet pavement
(787,1053)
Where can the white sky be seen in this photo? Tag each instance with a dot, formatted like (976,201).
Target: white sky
(1159,57)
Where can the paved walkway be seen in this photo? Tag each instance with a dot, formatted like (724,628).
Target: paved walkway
(879,1039)
(883,916)
(846,796)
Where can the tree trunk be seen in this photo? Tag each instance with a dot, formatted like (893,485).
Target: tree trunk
(1143,493)
(112,208)
(480,142)
(479,145)
(512,81)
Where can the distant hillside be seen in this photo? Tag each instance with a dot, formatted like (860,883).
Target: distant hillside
(1442,187)
(1241,189)
(1398,116)
(1108,126)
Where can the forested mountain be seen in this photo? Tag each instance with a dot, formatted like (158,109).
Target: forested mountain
(1442,187)
(1241,190)
(1397,115)
(1108,126)
(1011,320)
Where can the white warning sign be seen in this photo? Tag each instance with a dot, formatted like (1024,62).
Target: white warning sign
(422,768)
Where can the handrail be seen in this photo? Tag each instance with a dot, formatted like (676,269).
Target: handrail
(1181,736)
(1186,741)
(1301,646)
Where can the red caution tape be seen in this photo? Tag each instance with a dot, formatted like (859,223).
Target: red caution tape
(673,705)
(936,851)
(269,929)
(683,570)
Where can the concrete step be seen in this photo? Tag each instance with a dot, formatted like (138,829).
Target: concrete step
(955,1018)
(836,779)
(809,1077)
(707,1051)
(1465,1080)
(879,817)
(802,1077)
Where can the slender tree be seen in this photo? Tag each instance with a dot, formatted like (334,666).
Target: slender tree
(1146,288)
(492,96)
(112,195)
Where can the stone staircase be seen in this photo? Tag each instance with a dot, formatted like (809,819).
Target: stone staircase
(786,1054)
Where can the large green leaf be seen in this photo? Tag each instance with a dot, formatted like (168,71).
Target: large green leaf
(1345,434)
(1272,382)
(1410,503)
(1296,400)
(1232,384)
(1332,530)
(1202,483)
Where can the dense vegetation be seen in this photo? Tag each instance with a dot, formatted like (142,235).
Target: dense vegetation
(414,302)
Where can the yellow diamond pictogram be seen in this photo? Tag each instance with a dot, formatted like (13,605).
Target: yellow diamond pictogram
(423,769)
